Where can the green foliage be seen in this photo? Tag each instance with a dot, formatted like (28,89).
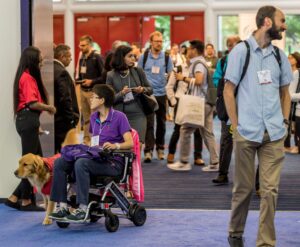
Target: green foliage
(292,33)
(162,24)
(229,26)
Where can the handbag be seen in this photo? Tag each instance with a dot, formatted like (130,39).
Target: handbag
(149,103)
(191,110)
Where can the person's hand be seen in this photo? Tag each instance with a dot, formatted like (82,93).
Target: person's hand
(109,146)
(178,76)
(87,83)
(138,90)
(51,109)
(125,90)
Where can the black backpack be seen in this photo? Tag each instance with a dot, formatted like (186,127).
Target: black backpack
(220,104)
(146,53)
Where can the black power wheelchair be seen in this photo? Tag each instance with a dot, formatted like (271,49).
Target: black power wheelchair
(114,193)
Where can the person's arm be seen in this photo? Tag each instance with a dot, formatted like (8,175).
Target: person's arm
(145,85)
(127,144)
(100,66)
(110,81)
(295,97)
(170,89)
(199,75)
(42,107)
(285,100)
(230,103)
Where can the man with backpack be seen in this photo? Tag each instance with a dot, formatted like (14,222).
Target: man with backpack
(157,66)
(226,144)
(259,116)
(199,75)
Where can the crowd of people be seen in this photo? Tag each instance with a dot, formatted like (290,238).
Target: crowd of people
(254,77)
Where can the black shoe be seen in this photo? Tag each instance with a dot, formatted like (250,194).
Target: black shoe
(32,207)
(236,241)
(220,180)
(11,204)
(79,215)
(60,214)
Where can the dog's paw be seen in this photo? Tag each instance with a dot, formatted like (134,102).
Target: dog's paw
(47,221)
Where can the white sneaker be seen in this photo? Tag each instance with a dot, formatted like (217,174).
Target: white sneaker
(178,166)
(211,168)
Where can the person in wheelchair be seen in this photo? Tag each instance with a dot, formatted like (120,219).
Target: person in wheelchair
(110,130)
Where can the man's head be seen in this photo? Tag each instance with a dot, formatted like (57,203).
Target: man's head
(115,45)
(232,41)
(174,49)
(156,41)
(209,50)
(195,49)
(63,54)
(272,20)
(86,44)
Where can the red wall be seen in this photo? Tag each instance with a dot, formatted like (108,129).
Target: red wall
(58,29)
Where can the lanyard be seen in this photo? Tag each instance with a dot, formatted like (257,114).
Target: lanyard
(102,125)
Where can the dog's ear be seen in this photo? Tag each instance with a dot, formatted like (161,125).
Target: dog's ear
(38,163)
(27,159)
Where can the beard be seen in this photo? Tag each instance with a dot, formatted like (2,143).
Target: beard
(275,33)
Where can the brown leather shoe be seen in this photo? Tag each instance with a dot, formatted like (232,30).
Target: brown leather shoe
(170,158)
(199,162)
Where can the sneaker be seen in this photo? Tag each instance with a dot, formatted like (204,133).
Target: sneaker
(199,162)
(61,214)
(221,179)
(170,158)
(160,154)
(32,208)
(79,215)
(211,168)
(179,166)
(148,157)
(236,241)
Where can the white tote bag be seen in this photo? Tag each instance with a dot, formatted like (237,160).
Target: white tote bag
(191,109)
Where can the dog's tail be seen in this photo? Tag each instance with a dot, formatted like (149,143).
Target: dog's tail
(71,138)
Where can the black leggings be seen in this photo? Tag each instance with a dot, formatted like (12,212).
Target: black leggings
(297,133)
(27,125)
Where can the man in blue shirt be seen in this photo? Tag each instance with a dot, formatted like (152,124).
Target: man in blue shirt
(259,116)
(157,69)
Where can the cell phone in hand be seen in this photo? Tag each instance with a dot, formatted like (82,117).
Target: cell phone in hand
(79,81)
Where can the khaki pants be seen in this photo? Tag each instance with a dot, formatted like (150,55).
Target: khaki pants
(86,113)
(207,135)
(270,158)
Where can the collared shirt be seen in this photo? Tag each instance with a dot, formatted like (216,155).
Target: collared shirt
(199,90)
(112,129)
(28,91)
(157,80)
(259,106)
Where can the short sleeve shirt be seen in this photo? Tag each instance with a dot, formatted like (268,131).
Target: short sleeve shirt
(259,106)
(28,91)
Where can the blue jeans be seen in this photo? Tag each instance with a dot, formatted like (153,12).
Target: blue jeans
(83,169)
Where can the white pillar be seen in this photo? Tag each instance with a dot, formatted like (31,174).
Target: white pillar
(10,143)
(69,34)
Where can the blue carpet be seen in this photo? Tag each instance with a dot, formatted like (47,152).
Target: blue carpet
(170,228)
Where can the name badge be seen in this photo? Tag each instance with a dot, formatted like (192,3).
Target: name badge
(95,141)
(83,69)
(155,70)
(209,64)
(128,97)
(264,77)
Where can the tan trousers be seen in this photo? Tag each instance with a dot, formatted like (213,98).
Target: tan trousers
(86,113)
(270,158)
(207,135)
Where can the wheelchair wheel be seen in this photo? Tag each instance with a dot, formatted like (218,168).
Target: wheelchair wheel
(62,224)
(139,215)
(111,222)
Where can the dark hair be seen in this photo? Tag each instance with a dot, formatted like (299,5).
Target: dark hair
(87,38)
(296,55)
(105,92)
(262,13)
(209,44)
(198,45)
(118,61)
(30,59)
(61,50)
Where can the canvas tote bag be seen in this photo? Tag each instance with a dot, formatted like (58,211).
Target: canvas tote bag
(191,108)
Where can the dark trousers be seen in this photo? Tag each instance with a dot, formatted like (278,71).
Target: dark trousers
(61,131)
(226,146)
(159,138)
(297,133)
(287,141)
(83,168)
(198,144)
(27,125)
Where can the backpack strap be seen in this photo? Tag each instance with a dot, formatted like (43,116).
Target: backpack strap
(166,61)
(223,62)
(146,53)
(246,61)
(277,55)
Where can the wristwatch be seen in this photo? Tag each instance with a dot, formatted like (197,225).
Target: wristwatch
(286,121)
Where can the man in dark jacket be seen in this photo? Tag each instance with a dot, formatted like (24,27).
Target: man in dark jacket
(67,114)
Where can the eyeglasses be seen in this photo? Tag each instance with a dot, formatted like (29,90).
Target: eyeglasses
(157,41)
(132,56)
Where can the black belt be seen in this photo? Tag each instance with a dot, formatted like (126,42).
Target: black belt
(27,109)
